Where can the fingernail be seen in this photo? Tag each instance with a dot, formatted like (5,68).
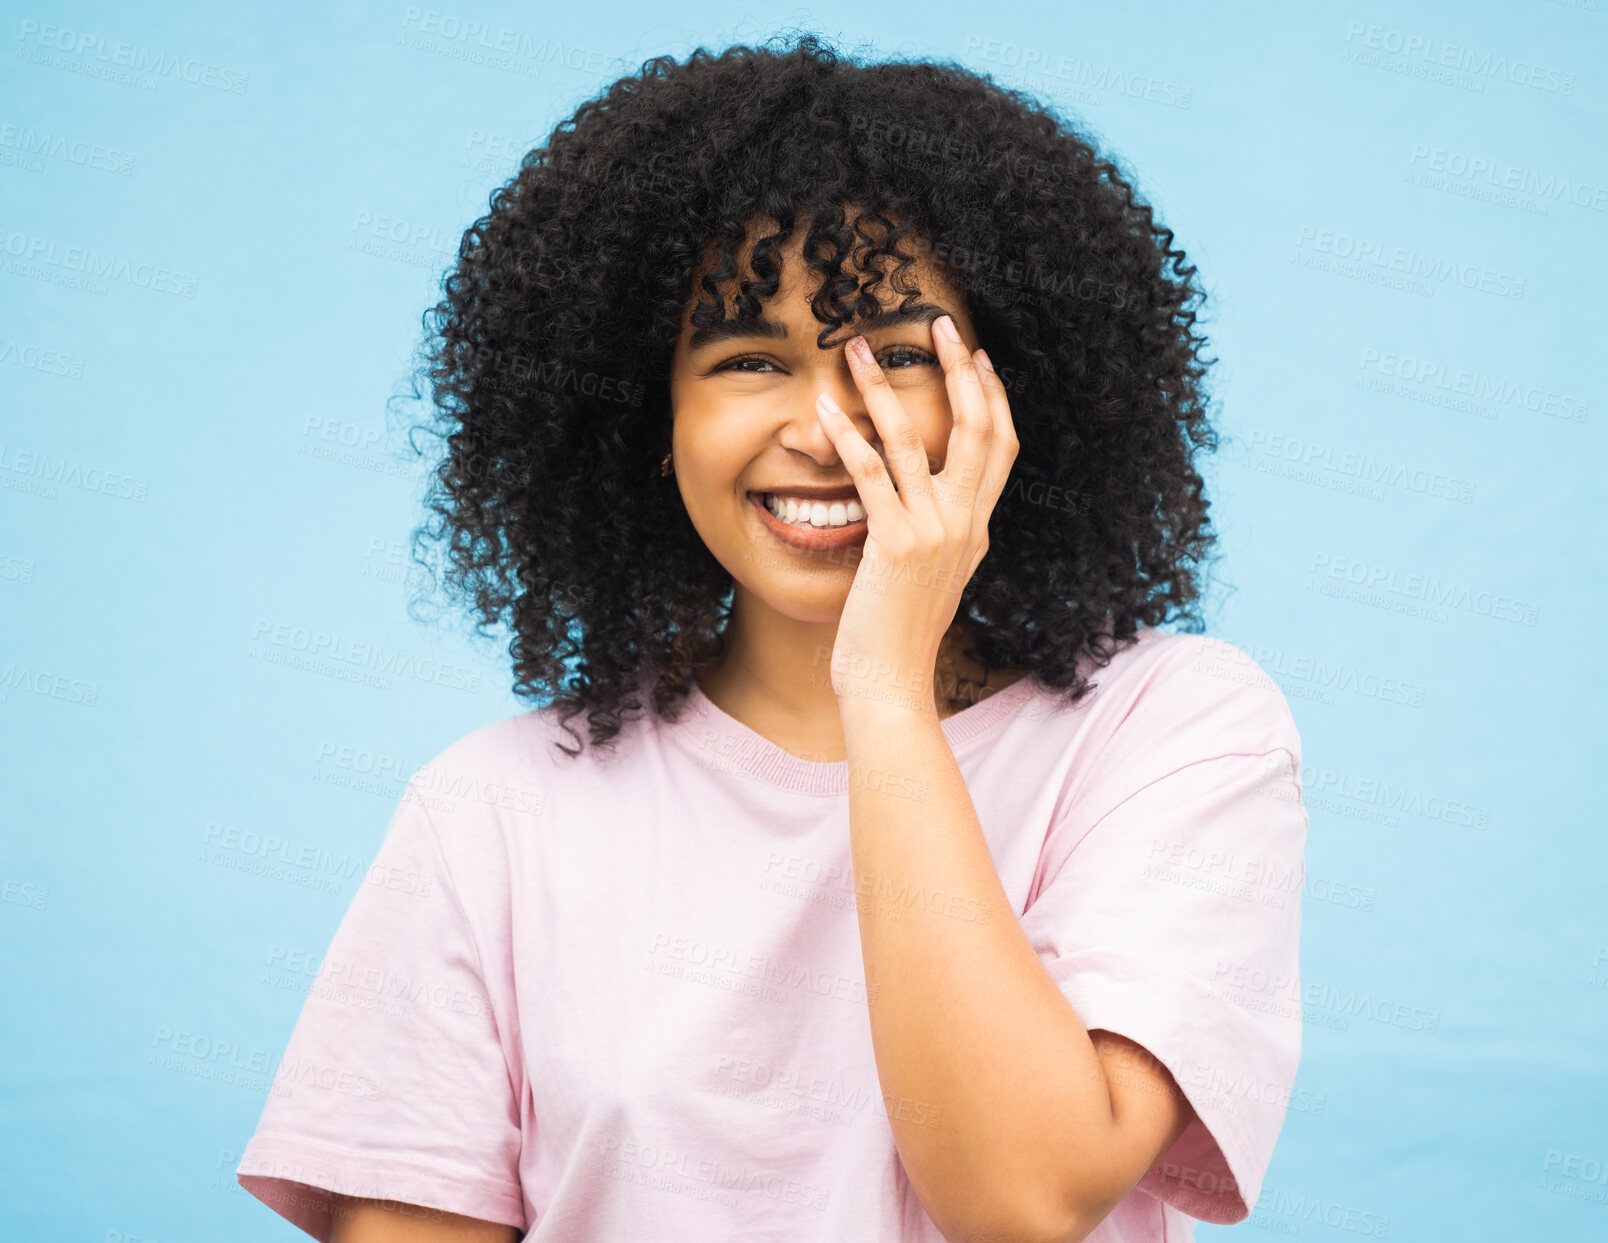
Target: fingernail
(983,360)
(947,326)
(825,403)
(861,349)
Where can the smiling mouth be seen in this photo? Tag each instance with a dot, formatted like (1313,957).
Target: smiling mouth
(810,513)
(801,533)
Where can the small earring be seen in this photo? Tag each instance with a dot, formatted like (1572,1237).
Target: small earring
(664,466)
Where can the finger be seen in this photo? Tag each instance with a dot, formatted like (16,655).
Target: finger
(882,504)
(972,432)
(901,438)
(1004,445)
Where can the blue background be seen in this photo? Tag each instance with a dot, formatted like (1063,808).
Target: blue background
(229,480)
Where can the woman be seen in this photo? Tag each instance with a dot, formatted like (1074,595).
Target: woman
(825,434)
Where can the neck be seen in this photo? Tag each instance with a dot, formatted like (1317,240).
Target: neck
(775,675)
(774,659)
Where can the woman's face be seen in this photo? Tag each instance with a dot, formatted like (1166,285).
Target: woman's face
(743,407)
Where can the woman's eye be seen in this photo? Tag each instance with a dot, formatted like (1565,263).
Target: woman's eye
(894,358)
(737,364)
(917,358)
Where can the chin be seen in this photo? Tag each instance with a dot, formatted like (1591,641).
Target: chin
(814,599)
(815,604)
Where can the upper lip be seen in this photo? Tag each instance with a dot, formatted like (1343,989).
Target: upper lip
(814,491)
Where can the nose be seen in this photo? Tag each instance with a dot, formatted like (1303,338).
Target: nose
(803,432)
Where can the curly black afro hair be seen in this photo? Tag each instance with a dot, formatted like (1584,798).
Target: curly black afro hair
(549,354)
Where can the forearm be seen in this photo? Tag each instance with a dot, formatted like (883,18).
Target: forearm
(359,1220)
(965,1020)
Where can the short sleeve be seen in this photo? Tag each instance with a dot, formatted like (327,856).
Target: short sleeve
(394,1084)
(1167,909)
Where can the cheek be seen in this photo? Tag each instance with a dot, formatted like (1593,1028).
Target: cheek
(708,477)
(710,480)
(716,518)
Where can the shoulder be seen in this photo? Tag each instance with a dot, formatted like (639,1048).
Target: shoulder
(1180,726)
(1176,698)
(497,778)
(529,744)
(1208,675)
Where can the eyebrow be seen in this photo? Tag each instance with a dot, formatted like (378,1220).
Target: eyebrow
(728,329)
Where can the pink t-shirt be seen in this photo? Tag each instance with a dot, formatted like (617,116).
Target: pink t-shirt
(622,997)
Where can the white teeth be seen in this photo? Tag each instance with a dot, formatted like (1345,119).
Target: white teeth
(817,513)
